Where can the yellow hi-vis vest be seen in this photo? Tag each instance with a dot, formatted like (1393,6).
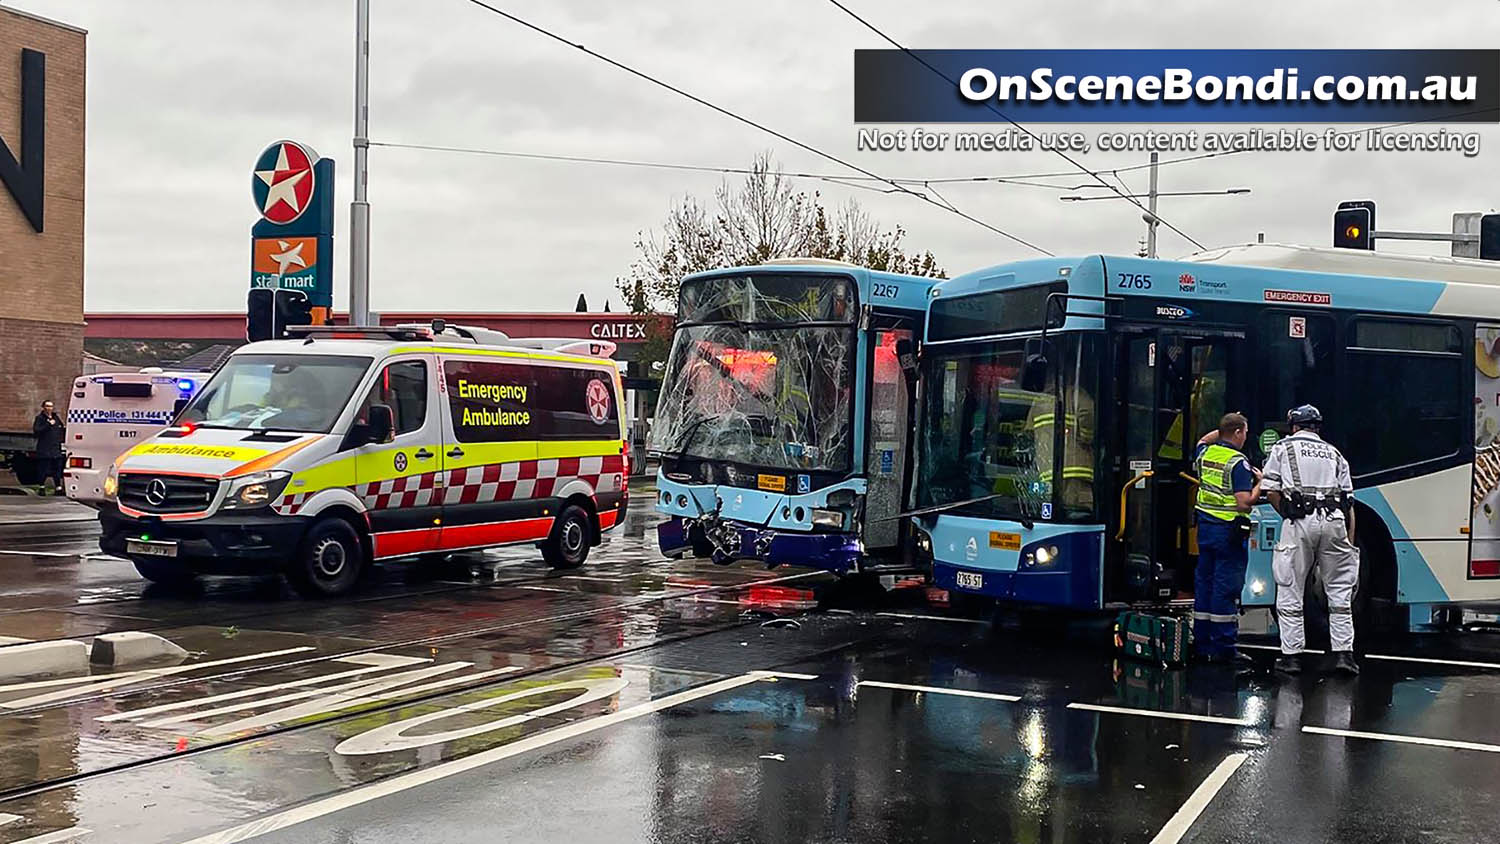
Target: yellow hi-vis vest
(1215,486)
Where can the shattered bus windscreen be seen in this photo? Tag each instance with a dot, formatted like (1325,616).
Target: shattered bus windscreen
(761,373)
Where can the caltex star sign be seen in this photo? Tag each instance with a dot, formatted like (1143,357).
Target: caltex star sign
(283,182)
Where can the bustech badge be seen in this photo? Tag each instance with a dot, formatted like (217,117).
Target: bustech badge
(1173,312)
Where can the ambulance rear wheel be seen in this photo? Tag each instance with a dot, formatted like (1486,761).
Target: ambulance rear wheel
(572,534)
(328,562)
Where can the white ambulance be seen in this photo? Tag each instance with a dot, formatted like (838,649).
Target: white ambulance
(317,456)
(110,412)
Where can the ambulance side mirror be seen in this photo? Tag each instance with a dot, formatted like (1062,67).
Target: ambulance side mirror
(378,426)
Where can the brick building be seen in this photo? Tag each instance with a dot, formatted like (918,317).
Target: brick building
(41,214)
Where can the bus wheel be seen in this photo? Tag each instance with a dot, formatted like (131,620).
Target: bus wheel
(329,560)
(172,575)
(568,546)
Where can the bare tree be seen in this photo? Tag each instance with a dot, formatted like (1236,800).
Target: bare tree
(761,217)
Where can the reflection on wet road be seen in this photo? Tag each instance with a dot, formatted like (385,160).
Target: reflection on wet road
(641,699)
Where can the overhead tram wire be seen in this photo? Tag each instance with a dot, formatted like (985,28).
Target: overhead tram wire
(844,181)
(748,122)
(992,107)
(1019,177)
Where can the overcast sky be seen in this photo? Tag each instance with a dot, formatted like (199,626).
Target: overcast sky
(183,94)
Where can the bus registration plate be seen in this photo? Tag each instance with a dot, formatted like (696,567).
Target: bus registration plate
(970,580)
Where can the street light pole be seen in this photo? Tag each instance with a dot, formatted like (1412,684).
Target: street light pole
(1151,220)
(359,209)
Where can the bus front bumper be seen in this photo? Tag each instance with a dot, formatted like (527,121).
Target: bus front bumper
(835,552)
(257,542)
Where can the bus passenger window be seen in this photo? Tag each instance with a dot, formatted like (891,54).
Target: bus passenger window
(1294,367)
(1409,380)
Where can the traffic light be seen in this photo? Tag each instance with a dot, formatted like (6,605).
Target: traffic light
(1354,225)
(292,308)
(269,312)
(259,312)
(1489,237)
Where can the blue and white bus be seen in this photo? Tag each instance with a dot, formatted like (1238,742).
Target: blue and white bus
(1062,397)
(784,420)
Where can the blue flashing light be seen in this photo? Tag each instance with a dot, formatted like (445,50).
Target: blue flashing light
(185,385)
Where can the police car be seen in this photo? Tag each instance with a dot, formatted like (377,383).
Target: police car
(316,457)
(111,412)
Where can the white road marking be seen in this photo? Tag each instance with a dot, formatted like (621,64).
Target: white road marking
(70,834)
(1157,713)
(1277,648)
(932,617)
(1458,662)
(362,694)
(397,784)
(5,819)
(549,589)
(1432,742)
(784,675)
(938,690)
(86,685)
(1199,800)
(374,662)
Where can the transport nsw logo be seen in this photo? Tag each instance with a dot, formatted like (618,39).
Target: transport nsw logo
(1299,297)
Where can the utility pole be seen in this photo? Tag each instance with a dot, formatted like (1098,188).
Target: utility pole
(1149,250)
(1150,215)
(359,209)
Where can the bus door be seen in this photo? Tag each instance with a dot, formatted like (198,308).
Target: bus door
(1173,387)
(887,434)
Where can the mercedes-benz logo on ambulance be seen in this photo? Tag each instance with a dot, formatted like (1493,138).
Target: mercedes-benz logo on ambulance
(156,492)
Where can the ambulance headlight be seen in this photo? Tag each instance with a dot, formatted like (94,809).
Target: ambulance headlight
(111,484)
(256,490)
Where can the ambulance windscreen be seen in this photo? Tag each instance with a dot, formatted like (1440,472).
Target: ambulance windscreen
(304,393)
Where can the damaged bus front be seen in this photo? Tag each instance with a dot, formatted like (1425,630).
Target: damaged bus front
(784,418)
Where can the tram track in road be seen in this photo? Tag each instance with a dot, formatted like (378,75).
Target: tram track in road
(280,606)
(739,622)
(424,641)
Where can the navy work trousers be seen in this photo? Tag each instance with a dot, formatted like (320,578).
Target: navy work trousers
(1223,555)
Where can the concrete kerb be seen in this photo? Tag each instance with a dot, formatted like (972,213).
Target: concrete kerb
(38,659)
(133,647)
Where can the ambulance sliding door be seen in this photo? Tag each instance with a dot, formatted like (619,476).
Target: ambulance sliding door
(491,425)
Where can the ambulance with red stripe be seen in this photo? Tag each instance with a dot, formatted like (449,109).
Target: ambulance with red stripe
(320,455)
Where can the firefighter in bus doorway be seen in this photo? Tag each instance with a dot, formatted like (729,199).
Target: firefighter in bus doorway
(1227,489)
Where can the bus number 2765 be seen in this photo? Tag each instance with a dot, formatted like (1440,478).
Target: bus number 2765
(1135,281)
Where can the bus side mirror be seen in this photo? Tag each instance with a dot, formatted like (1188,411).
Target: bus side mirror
(378,427)
(906,355)
(1036,367)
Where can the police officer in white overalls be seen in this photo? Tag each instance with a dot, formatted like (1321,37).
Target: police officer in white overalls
(1307,481)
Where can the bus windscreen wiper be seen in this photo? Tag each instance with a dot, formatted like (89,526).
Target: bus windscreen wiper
(954,505)
(679,450)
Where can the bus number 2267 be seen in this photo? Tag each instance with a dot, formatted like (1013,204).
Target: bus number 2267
(1135,281)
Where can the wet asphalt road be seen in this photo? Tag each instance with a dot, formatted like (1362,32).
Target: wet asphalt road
(641,699)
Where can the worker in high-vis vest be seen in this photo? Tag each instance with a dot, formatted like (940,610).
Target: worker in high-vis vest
(1227,489)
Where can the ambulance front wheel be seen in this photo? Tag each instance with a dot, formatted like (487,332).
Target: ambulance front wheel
(329,560)
(572,534)
(164,573)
